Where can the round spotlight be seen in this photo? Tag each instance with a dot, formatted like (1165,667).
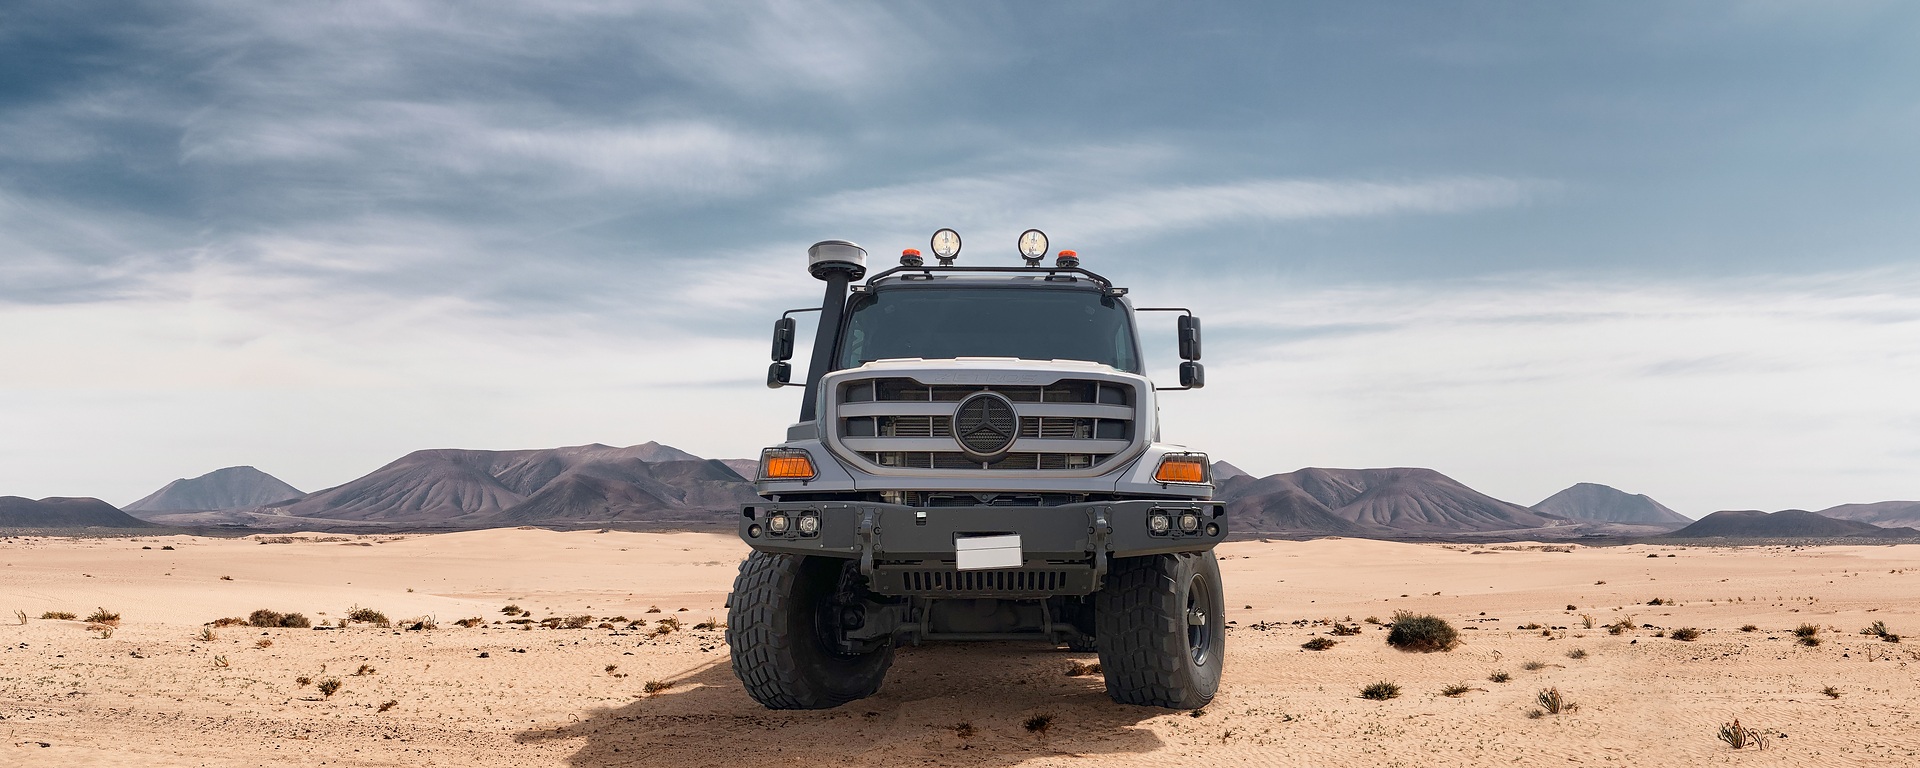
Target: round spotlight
(777,524)
(808,525)
(945,246)
(753,531)
(1159,524)
(1189,522)
(1033,246)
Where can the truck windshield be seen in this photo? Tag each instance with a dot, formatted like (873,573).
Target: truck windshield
(1030,323)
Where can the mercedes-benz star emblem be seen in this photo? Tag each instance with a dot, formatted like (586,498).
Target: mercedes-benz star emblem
(985,425)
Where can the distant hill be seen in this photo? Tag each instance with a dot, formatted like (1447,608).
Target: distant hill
(62,512)
(1223,471)
(747,469)
(1398,501)
(1785,524)
(1599,503)
(1885,513)
(587,483)
(229,488)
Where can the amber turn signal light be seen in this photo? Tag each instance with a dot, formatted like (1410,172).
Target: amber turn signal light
(1182,468)
(788,464)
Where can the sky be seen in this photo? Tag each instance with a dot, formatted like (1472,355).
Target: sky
(1668,247)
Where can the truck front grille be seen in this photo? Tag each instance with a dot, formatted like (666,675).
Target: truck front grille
(1069,425)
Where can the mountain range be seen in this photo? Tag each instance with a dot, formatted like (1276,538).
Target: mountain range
(1599,503)
(1785,524)
(1401,501)
(229,488)
(63,512)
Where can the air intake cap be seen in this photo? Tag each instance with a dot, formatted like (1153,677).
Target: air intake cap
(829,256)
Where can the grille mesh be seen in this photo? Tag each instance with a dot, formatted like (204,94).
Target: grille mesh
(1098,425)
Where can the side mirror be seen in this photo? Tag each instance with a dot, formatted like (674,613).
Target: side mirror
(780,373)
(1193,375)
(1189,338)
(783,339)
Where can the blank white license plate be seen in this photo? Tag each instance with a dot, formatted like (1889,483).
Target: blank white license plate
(974,553)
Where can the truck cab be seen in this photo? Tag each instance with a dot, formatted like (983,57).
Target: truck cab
(979,456)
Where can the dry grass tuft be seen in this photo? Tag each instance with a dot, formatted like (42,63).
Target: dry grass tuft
(1577,653)
(368,616)
(328,687)
(1749,627)
(1422,633)
(1831,692)
(103,616)
(1553,703)
(1039,723)
(963,730)
(1877,629)
(303,681)
(1621,626)
(1344,630)
(1809,634)
(1456,690)
(656,686)
(1380,691)
(265,642)
(710,623)
(1499,677)
(1741,737)
(1319,644)
(1534,666)
(1684,634)
(390,704)
(206,635)
(59,615)
(364,670)
(470,622)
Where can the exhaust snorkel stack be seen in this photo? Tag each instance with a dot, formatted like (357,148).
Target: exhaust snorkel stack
(839,263)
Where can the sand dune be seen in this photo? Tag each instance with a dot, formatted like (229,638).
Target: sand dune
(153,694)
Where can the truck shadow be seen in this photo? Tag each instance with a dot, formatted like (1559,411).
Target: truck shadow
(978,704)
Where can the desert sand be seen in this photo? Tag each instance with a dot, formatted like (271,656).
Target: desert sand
(154,693)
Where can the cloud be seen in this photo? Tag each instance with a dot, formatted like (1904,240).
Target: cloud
(1116,208)
(1760,392)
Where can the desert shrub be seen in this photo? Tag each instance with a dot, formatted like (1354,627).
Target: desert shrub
(963,730)
(511,610)
(295,621)
(1741,737)
(1749,627)
(656,686)
(653,609)
(1529,626)
(1586,621)
(264,618)
(1380,691)
(103,616)
(710,623)
(1038,723)
(1422,633)
(1082,669)
(1879,629)
(368,616)
(206,635)
(1534,666)
(1684,634)
(103,631)
(471,622)
(59,615)
(422,623)
(1831,692)
(364,670)
(1577,653)
(265,642)
(1553,703)
(1499,677)
(303,681)
(328,687)
(1371,620)
(1659,601)
(389,704)
(1344,630)
(1809,634)
(1319,644)
(577,622)
(666,626)
(1622,625)
(1455,690)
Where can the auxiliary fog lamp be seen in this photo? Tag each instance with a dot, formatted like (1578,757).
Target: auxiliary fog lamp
(1033,246)
(945,246)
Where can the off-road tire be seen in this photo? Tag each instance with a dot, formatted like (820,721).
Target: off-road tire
(778,652)
(1082,644)
(1141,617)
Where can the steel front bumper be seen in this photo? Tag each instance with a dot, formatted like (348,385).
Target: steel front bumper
(912,550)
